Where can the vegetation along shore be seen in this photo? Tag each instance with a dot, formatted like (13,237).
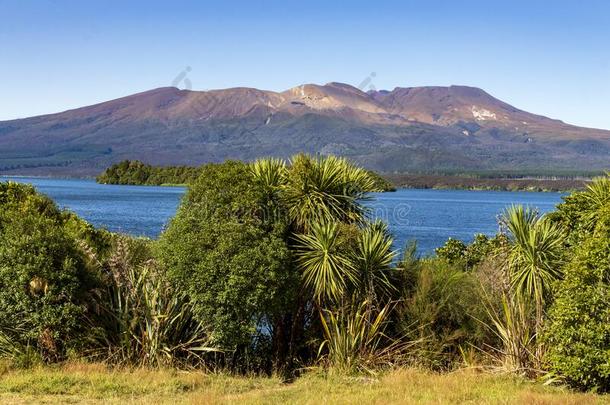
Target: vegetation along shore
(271,284)
(477,182)
(138,173)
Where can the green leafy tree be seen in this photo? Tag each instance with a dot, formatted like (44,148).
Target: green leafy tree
(229,258)
(260,248)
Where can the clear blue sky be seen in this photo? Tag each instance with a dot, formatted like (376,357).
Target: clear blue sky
(551,58)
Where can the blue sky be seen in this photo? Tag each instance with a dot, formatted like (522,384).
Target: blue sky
(551,58)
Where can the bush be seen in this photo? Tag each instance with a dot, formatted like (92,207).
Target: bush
(580,211)
(457,252)
(44,278)
(442,305)
(579,326)
(231,261)
(453,250)
(143,320)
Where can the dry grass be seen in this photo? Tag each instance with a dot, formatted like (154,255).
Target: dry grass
(85,383)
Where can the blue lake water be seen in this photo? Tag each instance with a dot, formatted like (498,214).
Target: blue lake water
(429,216)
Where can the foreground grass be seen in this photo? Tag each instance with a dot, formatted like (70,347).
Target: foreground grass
(79,383)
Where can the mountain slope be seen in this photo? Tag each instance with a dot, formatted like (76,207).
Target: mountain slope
(416,129)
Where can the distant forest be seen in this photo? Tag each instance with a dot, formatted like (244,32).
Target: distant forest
(135,172)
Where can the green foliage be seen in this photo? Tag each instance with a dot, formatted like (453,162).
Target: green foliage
(339,261)
(232,247)
(457,252)
(578,334)
(232,262)
(441,305)
(144,321)
(372,258)
(138,173)
(277,261)
(534,256)
(341,258)
(579,212)
(326,268)
(454,250)
(319,190)
(355,339)
(381,183)
(516,352)
(45,282)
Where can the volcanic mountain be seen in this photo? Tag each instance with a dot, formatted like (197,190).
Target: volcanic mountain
(406,129)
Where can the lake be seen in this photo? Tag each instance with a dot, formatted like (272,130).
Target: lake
(429,216)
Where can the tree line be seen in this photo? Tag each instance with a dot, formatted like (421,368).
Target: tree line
(135,172)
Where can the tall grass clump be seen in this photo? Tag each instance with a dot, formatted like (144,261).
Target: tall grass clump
(145,321)
(440,306)
(355,340)
(512,325)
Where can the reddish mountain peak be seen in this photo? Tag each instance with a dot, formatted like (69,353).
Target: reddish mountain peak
(447,105)
(331,97)
(438,93)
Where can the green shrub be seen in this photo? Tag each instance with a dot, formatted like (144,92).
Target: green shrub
(231,261)
(355,339)
(441,308)
(578,333)
(580,211)
(44,278)
(457,252)
(381,184)
(453,250)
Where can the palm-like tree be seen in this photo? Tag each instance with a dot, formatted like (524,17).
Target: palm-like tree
(372,260)
(345,261)
(334,262)
(322,256)
(270,174)
(325,189)
(597,196)
(534,255)
(315,189)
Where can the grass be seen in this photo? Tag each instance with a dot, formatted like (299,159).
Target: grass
(95,383)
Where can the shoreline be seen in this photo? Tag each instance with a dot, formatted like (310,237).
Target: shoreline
(447,182)
(410,182)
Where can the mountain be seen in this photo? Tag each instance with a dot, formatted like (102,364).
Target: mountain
(406,129)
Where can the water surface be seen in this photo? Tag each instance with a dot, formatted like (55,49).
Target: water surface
(429,216)
(432,216)
(136,210)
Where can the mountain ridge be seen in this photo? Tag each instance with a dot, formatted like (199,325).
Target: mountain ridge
(406,129)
